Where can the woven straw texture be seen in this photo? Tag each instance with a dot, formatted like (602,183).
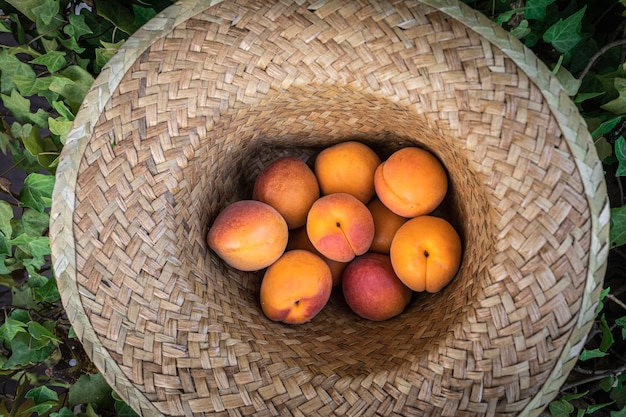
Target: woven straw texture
(206,94)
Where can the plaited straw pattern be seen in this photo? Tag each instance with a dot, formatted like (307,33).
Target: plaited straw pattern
(205,95)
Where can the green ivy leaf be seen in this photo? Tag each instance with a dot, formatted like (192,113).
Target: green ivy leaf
(30,86)
(20,354)
(37,191)
(587,96)
(49,45)
(617,231)
(607,335)
(41,148)
(142,15)
(46,10)
(36,246)
(72,45)
(592,353)
(536,9)
(32,223)
(40,118)
(90,388)
(506,16)
(521,30)
(63,412)
(40,333)
(20,315)
(48,293)
(6,215)
(60,127)
(620,154)
(118,14)
(77,27)
(17,105)
(603,294)
(25,7)
(606,127)
(42,394)
(617,105)
(574,396)
(63,111)
(565,33)
(11,328)
(53,61)
(73,83)
(560,408)
(26,350)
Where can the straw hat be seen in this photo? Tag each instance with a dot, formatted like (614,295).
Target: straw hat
(207,93)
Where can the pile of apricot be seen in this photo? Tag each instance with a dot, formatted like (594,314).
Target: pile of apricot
(352,221)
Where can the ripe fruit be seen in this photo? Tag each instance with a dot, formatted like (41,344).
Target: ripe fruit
(372,289)
(298,239)
(411,182)
(426,253)
(340,227)
(386,224)
(290,186)
(347,167)
(296,287)
(248,235)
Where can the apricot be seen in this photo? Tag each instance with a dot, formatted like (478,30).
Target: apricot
(296,287)
(372,289)
(347,167)
(340,227)
(290,186)
(386,224)
(299,239)
(426,253)
(248,235)
(411,182)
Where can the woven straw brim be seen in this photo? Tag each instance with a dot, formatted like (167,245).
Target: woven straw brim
(199,100)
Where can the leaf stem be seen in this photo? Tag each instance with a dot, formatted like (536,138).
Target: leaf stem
(15,165)
(597,377)
(599,54)
(616,300)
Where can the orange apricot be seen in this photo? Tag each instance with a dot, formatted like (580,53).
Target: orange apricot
(290,186)
(340,227)
(426,253)
(296,287)
(248,235)
(347,167)
(411,182)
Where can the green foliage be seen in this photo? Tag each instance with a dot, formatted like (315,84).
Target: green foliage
(50,54)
